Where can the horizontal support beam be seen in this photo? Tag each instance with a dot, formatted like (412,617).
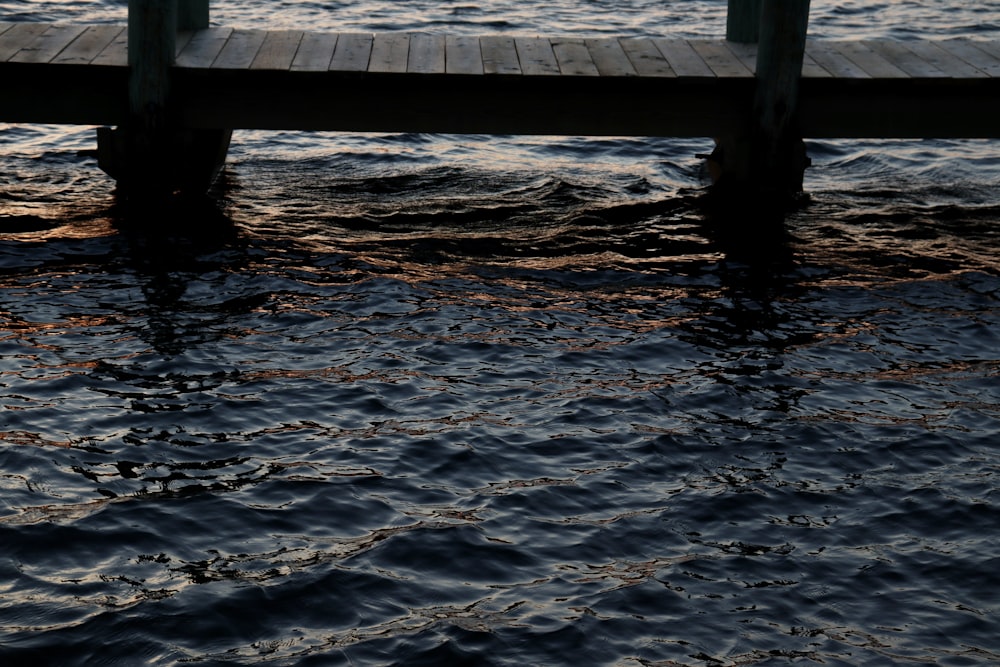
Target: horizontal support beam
(337,101)
(463,105)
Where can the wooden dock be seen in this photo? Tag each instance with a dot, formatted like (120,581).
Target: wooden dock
(499,84)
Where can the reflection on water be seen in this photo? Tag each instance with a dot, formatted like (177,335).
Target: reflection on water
(446,416)
(498,400)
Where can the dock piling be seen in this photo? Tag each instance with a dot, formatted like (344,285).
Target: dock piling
(766,160)
(152,30)
(751,98)
(780,152)
(152,154)
(192,14)
(743,21)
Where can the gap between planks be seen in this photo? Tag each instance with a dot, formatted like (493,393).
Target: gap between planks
(432,53)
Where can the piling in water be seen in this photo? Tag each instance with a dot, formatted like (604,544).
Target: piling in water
(763,165)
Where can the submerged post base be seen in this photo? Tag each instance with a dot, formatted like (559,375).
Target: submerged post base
(185,161)
(745,177)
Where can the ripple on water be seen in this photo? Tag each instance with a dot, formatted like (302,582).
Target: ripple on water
(507,401)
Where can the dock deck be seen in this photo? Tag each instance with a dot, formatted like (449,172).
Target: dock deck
(500,84)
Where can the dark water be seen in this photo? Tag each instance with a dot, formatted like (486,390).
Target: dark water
(418,400)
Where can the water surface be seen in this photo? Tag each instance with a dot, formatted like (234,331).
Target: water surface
(429,400)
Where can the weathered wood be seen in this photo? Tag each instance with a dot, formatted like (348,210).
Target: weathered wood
(353,53)
(151,52)
(610,58)
(490,104)
(390,52)
(573,57)
(49,44)
(240,50)
(992,47)
(114,54)
(683,59)
(970,52)
(315,52)
(181,40)
(812,69)
(136,155)
(950,65)
(499,55)
(150,155)
(204,47)
(646,58)
(876,66)
(20,36)
(691,100)
(427,54)
(462,55)
(902,57)
(833,61)
(88,45)
(745,52)
(722,61)
(743,20)
(536,56)
(277,52)
(779,155)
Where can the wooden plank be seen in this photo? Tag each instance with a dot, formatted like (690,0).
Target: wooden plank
(745,52)
(114,54)
(204,47)
(88,45)
(390,51)
(949,64)
(353,52)
(902,57)
(499,55)
(19,36)
(278,50)
(875,65)
(833,61)
(427,55)
(813,70)
(723,62)
(49,44)
(683,59)
(609,56)
(536,56)
(462,55)
(992,48)
(240,49)
(574,58)
(315,52)
(970,52)
(181,40)
(646,58)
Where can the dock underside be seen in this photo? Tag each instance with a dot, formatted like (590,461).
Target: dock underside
(291,80)
(504,104)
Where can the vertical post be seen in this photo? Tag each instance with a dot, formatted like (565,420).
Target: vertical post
(743,21)
(152,27)
(765,161)
(152,155)
(779,147)
(192,14)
